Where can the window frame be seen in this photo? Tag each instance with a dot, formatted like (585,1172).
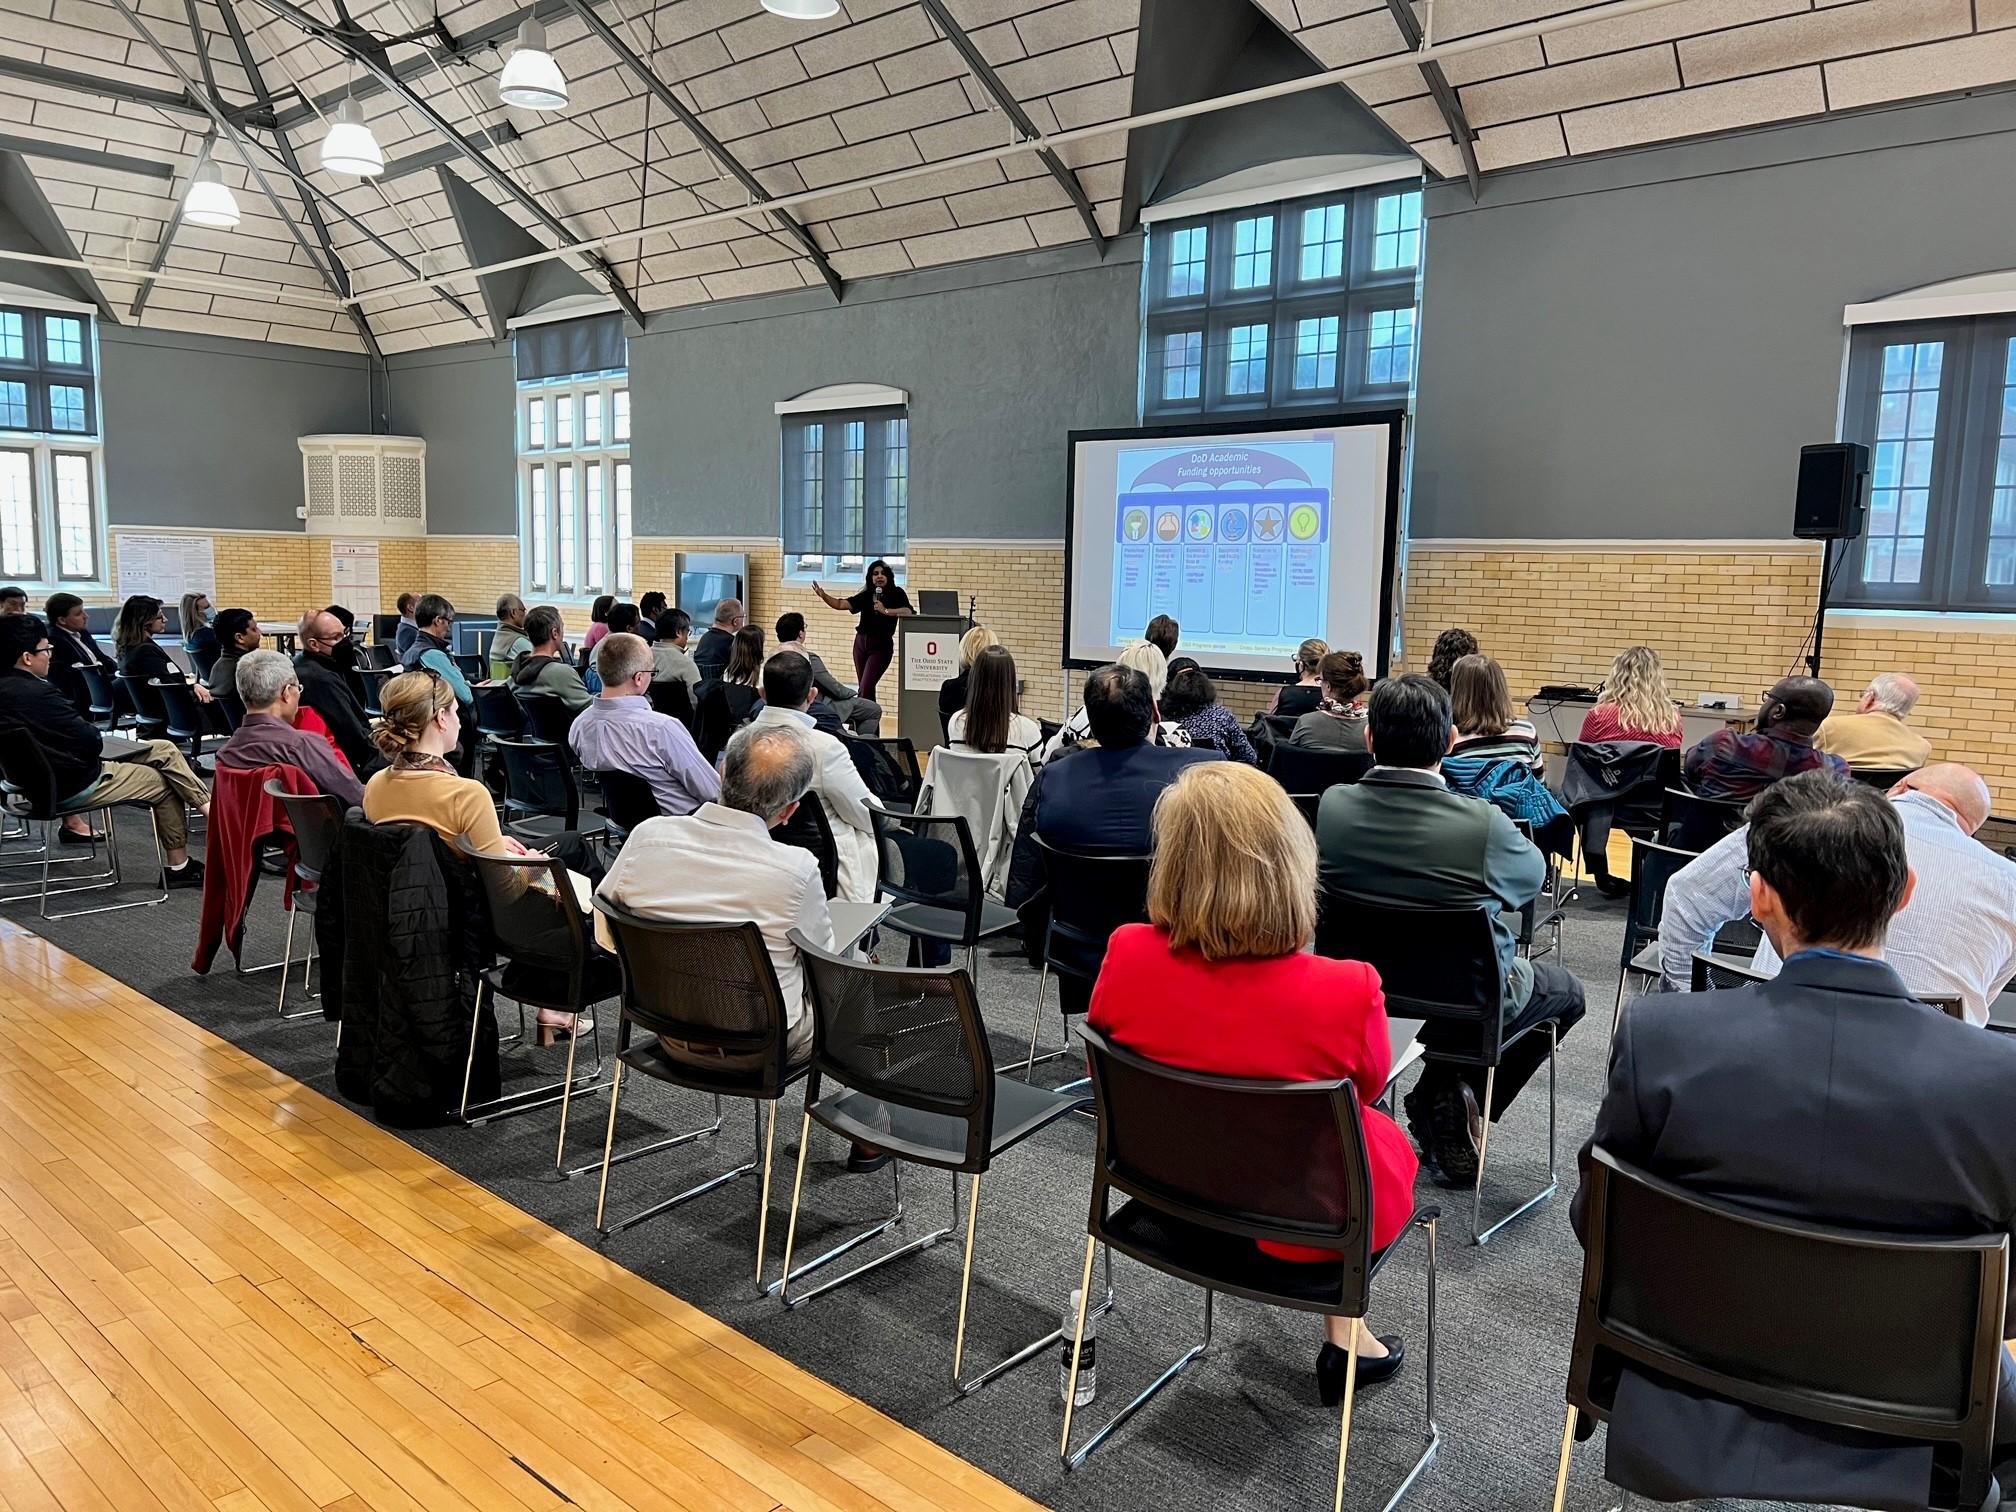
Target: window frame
(39,372)
(884,490)
(565,537)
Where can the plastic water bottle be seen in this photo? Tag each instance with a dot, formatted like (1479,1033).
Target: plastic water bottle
(1088,1374)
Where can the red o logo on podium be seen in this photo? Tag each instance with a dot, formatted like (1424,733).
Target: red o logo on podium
(930,648)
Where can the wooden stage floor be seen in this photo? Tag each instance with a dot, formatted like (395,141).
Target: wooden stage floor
(218,1289)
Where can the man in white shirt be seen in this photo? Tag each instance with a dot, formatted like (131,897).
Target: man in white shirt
(720,865)
(787,693)
(1957,935)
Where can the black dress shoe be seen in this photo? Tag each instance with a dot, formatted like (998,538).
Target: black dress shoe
(1331,1361)
(71,837)
(859,1160)
(1453,1125)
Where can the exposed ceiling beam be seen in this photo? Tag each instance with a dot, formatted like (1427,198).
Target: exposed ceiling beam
(66,152)
(184,101)
(499,135)
(368,50)
(648,76)
(173,224)
(1026,128)
(1439,87)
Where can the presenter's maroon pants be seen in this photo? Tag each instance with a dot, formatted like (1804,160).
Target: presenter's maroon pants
(871,660)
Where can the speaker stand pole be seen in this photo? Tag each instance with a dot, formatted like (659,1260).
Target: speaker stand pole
(1820,614)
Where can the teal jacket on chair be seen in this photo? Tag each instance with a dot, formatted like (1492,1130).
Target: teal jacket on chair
(1400,836)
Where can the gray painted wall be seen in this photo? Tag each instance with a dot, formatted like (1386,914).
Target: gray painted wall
(460,400)
(1638,346)
(200,430)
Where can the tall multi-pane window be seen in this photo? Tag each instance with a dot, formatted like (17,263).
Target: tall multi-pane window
(1304,305)
(1935,402)
(51,468)
(846,489)
(574,485)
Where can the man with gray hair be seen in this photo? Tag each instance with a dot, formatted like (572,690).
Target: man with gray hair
(1875,737)
(720,865)
(711,654)
(271,693)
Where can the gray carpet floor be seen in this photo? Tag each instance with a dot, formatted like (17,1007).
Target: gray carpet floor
(1243,1428)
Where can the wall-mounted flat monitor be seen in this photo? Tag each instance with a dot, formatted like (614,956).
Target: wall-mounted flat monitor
(472,635)
(384,628)
(706,578)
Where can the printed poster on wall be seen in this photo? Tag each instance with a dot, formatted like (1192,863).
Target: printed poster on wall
(353,577)
(165,566)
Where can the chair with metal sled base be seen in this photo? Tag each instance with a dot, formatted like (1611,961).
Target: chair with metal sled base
(28,789)
(1208,1166)
(317,822)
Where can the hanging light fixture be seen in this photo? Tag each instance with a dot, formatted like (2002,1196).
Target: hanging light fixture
(531,79)
(350,149)
(803,10)
(209,202)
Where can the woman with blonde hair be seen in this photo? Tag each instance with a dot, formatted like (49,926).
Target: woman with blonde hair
(1634,702)
(1219,981)
(1480,702)
(952,691)
(1305,694)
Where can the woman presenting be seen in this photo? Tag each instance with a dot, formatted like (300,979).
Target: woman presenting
(880,604)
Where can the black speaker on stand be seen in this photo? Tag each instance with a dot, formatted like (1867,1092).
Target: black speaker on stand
(1831,506)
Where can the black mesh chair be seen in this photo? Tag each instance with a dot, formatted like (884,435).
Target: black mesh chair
(1302,769)
(1652,867)
(104,706)
(317,822)
(375,679)
(927,863)
(627,801)
(1207,1165)
(898,778)
(540,798)
(1551,897)
(1441,965)
(901,1062)
(809,829)
(1881,778)
(150,719)
(1090,897)
(546,958)
(1747,1307)
(498,715)
(1714,970)
(380,658)
(471,666)
(704,985)
(1689,822)
(671,697)
(28,789)
(546,717)
(184,720)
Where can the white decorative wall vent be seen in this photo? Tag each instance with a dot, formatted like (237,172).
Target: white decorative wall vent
(371,485)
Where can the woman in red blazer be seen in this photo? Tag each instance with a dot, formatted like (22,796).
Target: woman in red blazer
(1220,982)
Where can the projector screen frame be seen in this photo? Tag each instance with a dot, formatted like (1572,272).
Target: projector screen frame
(1395,421)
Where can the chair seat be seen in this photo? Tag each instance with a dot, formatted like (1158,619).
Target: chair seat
(82,802)
(938,1138)
(949,924)
(647,1055)
(1646,961)
(1228,1262)
(543,988)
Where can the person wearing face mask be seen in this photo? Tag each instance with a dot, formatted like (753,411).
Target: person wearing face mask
(1733,764)
(332,686)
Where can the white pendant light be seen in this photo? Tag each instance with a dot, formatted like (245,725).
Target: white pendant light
(209,202)
(803,10)
(350,149)
(531,79)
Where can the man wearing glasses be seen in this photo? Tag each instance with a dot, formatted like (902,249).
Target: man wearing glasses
(271,693)
(332,686)
(30,708)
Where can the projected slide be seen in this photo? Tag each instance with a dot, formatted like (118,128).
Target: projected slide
(1231,541)
(1252,540)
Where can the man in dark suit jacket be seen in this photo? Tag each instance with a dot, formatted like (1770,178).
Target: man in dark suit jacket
(1100,797)
(710,653)
(1826,1094)
(1400,836)
(70,646)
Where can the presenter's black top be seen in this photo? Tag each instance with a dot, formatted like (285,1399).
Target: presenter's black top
(879,626)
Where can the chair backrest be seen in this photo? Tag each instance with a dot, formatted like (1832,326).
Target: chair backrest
(539,779)
(1748,1307)
(505,877)
(705,984)
(929,859)
(179,707)
(672,697)
(898,777)
(204,658)
(1652,867)
(379,655)
(1280,1161)
(1715,971)
(146,700)
(1303,769)
(375,679)
(24,768)
(1433,963)
(1090,897)
(545,715)
(627,799)
(810,829)
(908,1036)
(317,822)
(498,713)
(184,662)
(1693,823)
(1952,1007)
(97,689)
(1881,778)
(470,665)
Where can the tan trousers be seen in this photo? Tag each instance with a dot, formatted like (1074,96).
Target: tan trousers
(162,780)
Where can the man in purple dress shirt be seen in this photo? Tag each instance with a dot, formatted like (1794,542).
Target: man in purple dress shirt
(621,732)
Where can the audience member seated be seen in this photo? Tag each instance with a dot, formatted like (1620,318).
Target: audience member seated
(649,608)
(237,635)
(421,730)
(992,719)
(1400,836)
(1146,658)
(1958,937)
(1101,796)
(430,649)
(332,686)
(73,646)
(199,637)
(141,657)
(403,636)
(544,668)
(598,623)
(1306,692)
(787,691)
(952,691)
(623,619)
(861,715)
(1826,1095)
(1163,633)
(1190,702)
(621,732)
(1480,701)
(32,708)
(1221,980)
(1634,703)
(1875,737)
(1729,764)
(509,642)
(711,655)
(270,689)
(726,702)
(670,661)
(1451,646)
(1338,722)
(13,600)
